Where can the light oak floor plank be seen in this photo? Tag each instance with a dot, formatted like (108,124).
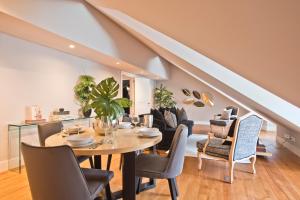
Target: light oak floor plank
(278,177)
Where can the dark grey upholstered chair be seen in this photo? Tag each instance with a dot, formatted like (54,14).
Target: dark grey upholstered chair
(54,173)
(45,130)
(157,167)
(239,147)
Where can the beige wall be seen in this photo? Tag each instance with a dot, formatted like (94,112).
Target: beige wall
(35,75)
(257,39)
(180,80)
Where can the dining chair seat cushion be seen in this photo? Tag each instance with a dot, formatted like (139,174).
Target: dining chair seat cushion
(96,180)
(151,166)
(215,148)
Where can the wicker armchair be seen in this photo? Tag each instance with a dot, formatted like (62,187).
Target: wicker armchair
(241,146)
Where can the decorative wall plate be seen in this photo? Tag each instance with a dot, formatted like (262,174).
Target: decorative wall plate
(199,104)
(186,92)
(189,101)
(196,94)
(207,98)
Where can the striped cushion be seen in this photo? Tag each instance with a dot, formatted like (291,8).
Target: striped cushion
(215,148)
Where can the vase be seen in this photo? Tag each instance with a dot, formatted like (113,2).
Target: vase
(98,127)
(105,126)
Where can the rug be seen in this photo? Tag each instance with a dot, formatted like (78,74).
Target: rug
(191,147)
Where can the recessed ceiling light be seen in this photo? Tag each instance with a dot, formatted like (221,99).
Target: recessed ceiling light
(71,46)
(118,63)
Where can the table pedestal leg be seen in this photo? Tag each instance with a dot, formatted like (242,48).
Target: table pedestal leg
(97,161)
(129,180)
(128,177)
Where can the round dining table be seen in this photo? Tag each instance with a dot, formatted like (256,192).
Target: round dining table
(125,142)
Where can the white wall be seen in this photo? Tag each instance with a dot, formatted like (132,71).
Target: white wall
(78,21)
(180,80)
(31,74)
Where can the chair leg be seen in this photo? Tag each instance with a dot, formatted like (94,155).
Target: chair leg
(108,192)
(176,186)
(199,161)
(91,162)
(231,166)
(253,160)
(172,189)
(154,149)
(138,184)
(121,162)
(108,162)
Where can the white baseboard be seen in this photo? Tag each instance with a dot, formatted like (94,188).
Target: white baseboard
(3,166)
(293,148)
(13,163)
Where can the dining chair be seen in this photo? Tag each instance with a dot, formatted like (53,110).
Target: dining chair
(242,146)
(48,129)
(54,173)
(157,167)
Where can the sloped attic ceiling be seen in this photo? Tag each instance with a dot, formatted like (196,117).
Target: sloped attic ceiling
(258,40)
(209,71)
(76,22)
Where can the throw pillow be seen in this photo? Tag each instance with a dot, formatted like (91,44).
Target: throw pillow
(157,115)
(226,114)
(170,119)
(181,115)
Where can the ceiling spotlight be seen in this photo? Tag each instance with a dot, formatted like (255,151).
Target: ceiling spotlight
(71,46)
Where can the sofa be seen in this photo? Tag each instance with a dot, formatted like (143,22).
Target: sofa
(168,132)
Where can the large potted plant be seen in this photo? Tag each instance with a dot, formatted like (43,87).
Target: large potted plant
(106,105)
(82,91)
(163,98)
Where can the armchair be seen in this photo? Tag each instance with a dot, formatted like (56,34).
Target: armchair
(241,146)
(220,126)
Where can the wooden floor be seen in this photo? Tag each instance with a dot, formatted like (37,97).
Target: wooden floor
(277,177)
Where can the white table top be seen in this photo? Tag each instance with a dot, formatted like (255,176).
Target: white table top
(125,140)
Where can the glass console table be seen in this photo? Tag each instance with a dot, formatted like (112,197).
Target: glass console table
(18,127)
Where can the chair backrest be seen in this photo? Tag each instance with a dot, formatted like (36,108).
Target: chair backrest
(45,130)
(235,110)
(246,134)
(177,152)
(53,173)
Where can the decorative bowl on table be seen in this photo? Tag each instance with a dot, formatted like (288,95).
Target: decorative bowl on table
(74,130)
(148,132)
(125,125)
(80,140)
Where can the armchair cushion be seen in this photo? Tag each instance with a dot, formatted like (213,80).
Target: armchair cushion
(235,110)
(226,114)
(181,115)
(170,119)
(158,120)
(215,147)
(219,122)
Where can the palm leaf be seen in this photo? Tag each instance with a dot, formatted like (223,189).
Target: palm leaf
(104,101)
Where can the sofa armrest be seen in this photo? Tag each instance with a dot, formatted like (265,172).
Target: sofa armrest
(189,124)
